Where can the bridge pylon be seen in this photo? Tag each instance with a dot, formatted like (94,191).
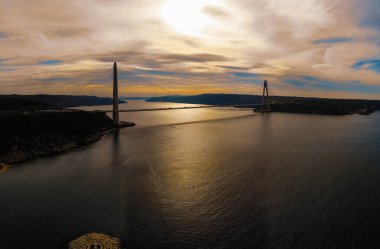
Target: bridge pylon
(115,111)
(265,107)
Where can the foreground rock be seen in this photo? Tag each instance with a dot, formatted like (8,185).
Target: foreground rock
(28,136)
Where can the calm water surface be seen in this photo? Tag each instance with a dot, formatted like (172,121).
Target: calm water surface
(205,178)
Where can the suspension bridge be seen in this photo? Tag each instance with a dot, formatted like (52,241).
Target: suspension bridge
(264,107)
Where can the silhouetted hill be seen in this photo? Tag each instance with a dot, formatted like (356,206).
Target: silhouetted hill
(15,104)
(137,98)
(210,99)
(324,106)
(63,100)
(37,134)
(29,129)
(281,103)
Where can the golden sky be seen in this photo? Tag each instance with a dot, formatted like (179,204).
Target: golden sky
(322,48)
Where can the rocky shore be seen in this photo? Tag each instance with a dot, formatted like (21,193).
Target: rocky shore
(28,136)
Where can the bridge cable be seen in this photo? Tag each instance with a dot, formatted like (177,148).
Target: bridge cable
(81,87)
(90,81)
(151,82)
(172,92)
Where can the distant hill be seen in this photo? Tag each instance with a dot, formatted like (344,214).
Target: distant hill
(14,104)
(37,134)
(62,100)
(210,99)
(137,98)
(281,103)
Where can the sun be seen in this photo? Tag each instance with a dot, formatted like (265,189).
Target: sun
(186,16)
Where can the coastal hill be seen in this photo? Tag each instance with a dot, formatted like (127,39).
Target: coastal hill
(29,136)
(280,103)
(14,104)
(63,100)
(30,129)
(210,99)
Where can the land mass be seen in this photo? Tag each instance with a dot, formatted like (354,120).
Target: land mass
(280,103)
(30,129)
(62,100)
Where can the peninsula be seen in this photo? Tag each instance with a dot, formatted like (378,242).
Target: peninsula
(31,129)
(63,100)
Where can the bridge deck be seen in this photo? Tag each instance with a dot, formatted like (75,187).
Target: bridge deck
(180,108)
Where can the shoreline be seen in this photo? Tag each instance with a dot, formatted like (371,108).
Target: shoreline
(27,137)
(281,104)
(66,148)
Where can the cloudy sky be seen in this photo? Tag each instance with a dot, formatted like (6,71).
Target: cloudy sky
(323,48)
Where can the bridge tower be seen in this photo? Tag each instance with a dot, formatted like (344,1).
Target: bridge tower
(264,102)
(115,111)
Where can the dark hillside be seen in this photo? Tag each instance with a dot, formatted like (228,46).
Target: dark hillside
(14,104)
(281,103)
(30,136)
(63,100)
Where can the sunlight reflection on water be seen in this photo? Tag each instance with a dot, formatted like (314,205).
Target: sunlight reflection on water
(179,180)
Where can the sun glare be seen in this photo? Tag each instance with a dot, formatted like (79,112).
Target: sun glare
(186,16)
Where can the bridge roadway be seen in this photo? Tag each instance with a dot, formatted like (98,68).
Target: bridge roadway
(180,108)
(6,113)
